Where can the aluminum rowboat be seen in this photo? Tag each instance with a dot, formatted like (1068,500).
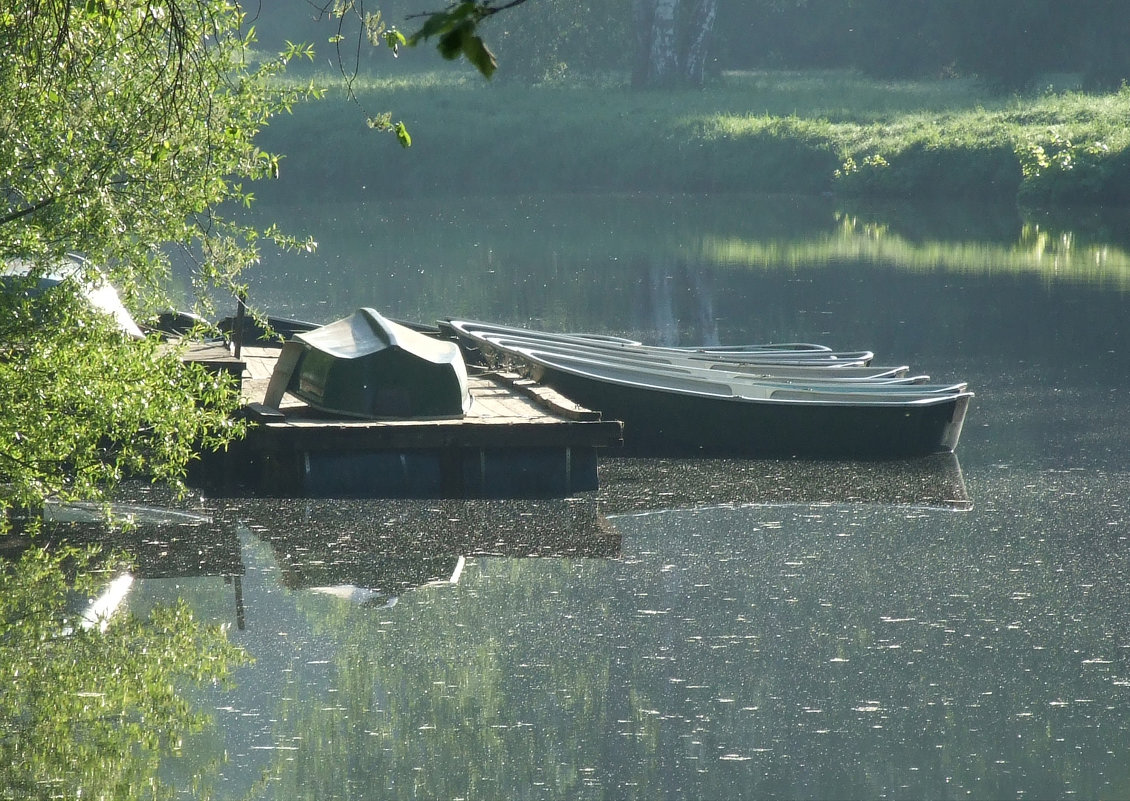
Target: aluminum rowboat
(672,404)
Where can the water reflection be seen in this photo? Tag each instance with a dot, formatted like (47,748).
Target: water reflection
(331,670)
(150,540)
(92,702)
(345,533)
(636,485)
(737,650)
(714,629)
(556,259)
(849,650)
(372,553)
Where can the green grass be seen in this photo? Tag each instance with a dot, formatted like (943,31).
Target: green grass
(799,132)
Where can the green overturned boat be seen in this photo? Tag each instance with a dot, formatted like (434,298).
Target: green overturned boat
(367,366)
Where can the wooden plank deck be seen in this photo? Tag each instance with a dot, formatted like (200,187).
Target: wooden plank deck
(517,438)
(505,410)
(215,356)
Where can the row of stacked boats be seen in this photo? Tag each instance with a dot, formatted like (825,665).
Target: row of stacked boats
(772,400)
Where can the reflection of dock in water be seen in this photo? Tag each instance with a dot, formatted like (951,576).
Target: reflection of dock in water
(636,485)
(371,552)
(157,542)
(371,579)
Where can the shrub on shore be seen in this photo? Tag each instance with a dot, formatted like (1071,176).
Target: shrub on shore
(800,132)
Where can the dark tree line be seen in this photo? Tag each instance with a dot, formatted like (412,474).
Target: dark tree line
(1007,43)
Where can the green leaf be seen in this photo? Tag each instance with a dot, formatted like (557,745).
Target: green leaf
(73,178)
(402,135)
(450,44)
(380,122)
(444,21)
(479,55)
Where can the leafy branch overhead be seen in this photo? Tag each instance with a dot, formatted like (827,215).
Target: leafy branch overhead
(128,128)
(456,28)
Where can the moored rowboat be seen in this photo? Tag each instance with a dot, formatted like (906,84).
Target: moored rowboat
(670,405)
(479,341)
(714,381)
(663,413)
(711,369)
(370,367)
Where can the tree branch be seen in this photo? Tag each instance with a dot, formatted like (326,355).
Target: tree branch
(27,211)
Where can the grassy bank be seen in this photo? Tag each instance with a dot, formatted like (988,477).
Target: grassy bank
(773,131)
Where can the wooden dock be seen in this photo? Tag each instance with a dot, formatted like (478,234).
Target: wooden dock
(518,439)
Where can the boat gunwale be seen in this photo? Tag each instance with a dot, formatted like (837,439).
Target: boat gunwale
(908,384)
(923,420)
(786,354)
(826,399)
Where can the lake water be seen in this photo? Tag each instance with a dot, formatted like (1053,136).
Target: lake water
(715,629)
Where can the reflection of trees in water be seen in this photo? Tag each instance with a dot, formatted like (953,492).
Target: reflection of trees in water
(676,305)
(423,697)
(856,651)
(736,653)
(428,702)
(86,712)
(579,262)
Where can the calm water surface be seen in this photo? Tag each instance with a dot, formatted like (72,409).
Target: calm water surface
(708,630)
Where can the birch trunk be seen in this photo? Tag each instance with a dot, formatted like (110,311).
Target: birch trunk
(657,53)
(643,12)
(663,58)
(702,27)
(672,42)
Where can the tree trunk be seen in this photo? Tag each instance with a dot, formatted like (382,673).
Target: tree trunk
(671,42)
(700,32)
(643,12)
(663,60)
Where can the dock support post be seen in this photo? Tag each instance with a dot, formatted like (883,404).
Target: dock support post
(237,328)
